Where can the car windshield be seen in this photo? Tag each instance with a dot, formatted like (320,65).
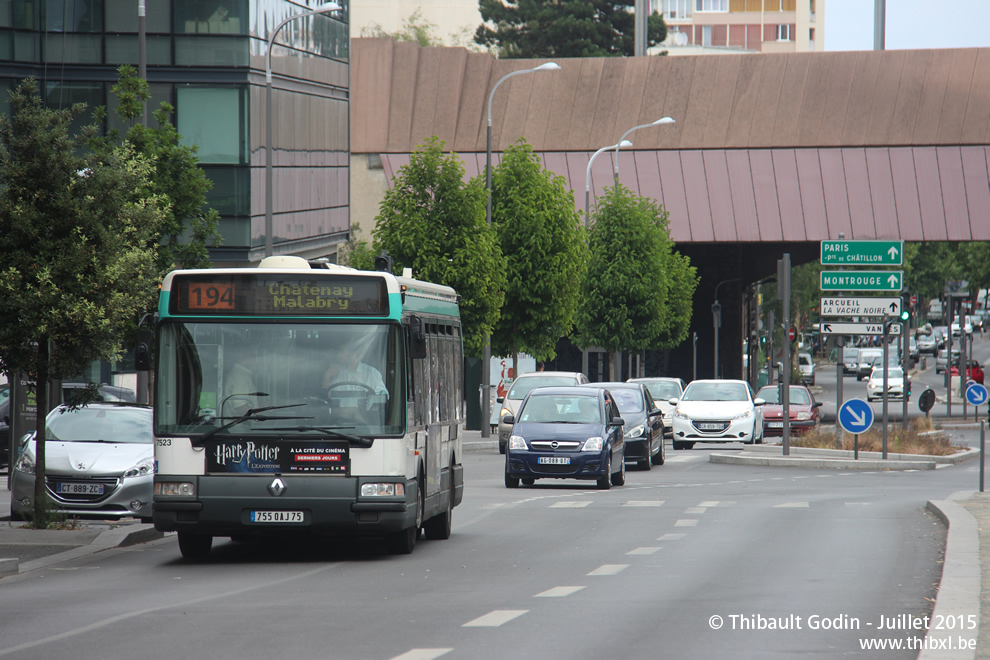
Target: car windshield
(629,401)
(561,409)
(663,390)
(715,392)
(771,394)
(892,372)
(88,424)
(522,386)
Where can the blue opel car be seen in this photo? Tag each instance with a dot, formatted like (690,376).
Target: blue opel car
(566,433)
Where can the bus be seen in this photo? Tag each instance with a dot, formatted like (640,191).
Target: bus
(290,399)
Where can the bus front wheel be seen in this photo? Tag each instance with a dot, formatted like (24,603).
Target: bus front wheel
(195,547)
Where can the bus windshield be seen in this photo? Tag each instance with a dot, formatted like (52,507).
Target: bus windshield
(309,378)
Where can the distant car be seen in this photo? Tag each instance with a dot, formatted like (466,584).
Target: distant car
(99,462)
(941,334)
(802,410)
(942,359)
(913,351)
(663,390)
(566,433)
(644,430)
(807,368)
(927,344)
(895,384)
(866,358)
(967,328)
(520,388)
(850,361)
(717,411)
(973,371)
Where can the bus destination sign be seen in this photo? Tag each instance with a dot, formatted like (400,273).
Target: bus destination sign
(229,294)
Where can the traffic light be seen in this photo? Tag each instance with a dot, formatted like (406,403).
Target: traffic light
(905,315)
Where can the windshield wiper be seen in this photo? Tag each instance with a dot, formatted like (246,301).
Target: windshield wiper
(251,415)
(333,432)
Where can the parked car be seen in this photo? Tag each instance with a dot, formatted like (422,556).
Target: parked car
(895,384)
(521,387)
(4,425)
(802,410)
(717,411)
(942,359)
(866,358)
(99,462)
(973,371)
(663,390)
(104,392)
(807,368)
(913,351)
(644,430)
(566,433)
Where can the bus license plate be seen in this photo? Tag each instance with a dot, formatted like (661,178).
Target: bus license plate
(276,516)
(554,460)
(79,489)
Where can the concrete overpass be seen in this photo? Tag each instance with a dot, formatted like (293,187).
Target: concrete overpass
(770,153)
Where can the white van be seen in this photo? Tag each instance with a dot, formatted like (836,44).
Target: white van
(807,368)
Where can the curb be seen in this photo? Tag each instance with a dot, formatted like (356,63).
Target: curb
(959,589)
(838,463)
(111,538)
(845,454)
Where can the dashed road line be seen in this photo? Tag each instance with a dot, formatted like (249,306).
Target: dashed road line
(422,654)
(695,509)
(686,522)
(494,619)
(558,592)
(643,551)
(609,569)
(644,503)
(671,537)
(577,504)
(792,505)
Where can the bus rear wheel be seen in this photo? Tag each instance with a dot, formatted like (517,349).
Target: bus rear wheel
(195,547)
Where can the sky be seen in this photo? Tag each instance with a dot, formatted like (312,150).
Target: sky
(910,24)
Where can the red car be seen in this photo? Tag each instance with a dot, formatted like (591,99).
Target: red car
(803,410)
(973,372)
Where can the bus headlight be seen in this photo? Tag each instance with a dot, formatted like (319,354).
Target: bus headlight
(175,488)
(384,489)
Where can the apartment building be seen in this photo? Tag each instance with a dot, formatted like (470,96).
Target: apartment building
(696,27)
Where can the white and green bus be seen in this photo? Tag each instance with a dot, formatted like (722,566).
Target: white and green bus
(299,400)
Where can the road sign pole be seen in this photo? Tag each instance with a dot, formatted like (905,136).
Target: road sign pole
(983,427)
(784,281)
(838,391)
(886,326)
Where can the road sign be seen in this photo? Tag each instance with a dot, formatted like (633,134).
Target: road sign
(861,280)
(926,400)
(860,307)
(829,328)
(792,333)
(862,253)
(976,394)
(855,416)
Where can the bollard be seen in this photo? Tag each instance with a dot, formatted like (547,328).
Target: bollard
(983,426)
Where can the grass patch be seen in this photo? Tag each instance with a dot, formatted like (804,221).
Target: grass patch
(917,439)
(51,518)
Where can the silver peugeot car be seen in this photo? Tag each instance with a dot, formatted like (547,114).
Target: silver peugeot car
(99,463)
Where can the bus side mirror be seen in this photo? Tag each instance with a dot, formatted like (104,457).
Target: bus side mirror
(142,351)
(417,338)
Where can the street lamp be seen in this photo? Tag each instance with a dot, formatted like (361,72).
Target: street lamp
(322,9)
(486,358)
(659,122)
(621,144)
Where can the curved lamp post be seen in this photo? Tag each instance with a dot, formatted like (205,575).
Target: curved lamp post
(322,9)
(486,358)
(659,122)
(621,144)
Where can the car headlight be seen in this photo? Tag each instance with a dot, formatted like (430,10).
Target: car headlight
(744,415)
(803,416)
(517,442)
(636,431)
(593,444)
(142,469)
(679,415)
(25,464)
(504,412)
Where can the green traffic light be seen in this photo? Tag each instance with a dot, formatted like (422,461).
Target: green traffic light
(905,315)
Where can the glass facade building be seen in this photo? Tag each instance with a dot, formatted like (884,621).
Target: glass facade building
(207,59)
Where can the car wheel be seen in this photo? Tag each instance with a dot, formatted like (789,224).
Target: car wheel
(619,478)
(195,547)
(501,448)
(646,463)
(679,445)
(605,482)
(660,456)
(510,482)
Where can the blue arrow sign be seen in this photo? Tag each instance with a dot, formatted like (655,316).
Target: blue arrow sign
(976,394)
(855,416)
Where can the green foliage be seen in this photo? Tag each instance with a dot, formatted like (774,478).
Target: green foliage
(77,233)
(927,266)
(357,253)
(637,291)
(415,28)
(190,227)
(563,28)
(434,223)
(542,239)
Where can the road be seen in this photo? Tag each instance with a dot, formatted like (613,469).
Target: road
(648,570)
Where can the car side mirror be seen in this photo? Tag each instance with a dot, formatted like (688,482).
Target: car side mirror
(509,419)
(618,421)
(673,401)
(499,399)
(759,402)
(818,404)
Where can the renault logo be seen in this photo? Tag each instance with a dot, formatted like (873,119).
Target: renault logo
(276,487)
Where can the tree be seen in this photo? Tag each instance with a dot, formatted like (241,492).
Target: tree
(78,237)
(433,222)
(415,28)
(190,227)
(357,253)
(541,236)
(563,28)
(626,299)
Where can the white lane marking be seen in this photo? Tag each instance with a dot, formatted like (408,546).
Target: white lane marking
(682,458)
(609,569)
(558,592)
(643,551)
(494,619)
(858,503)
(695,509)
(577,504)
(792,505)
(422,654)
(686,522)
(709,503)
(671,537)
(493,506)
(644,503)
